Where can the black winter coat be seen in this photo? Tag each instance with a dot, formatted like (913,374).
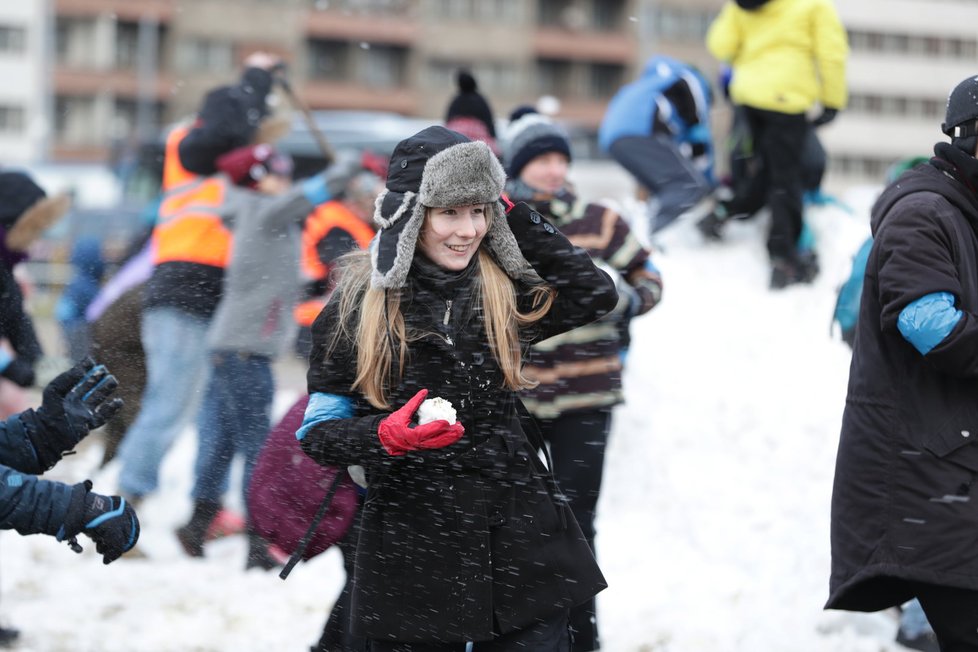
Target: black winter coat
(904,505)
(458,543)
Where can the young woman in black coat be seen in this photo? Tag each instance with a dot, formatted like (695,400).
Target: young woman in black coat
(464,536)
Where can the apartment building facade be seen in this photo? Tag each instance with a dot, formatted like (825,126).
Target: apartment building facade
(123,68)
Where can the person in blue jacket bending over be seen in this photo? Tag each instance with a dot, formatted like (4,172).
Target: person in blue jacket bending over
(31,442)
(658,128)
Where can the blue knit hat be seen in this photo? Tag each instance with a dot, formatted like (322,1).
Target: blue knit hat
(529,136)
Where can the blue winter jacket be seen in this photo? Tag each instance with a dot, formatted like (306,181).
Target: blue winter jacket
(670,94)
(27,503)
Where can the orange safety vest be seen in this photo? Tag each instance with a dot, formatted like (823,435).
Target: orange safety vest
(331,215)
(189,228)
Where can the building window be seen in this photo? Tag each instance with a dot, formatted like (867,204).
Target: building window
(12,39)
(75,42)
(553,77)
(896,105)
(329,59)
(205,55)
(605,79)
(126,45)
(73,120)
(493,77)
(553,13)
(11,119)
(677,23)
(927,46)
(387,7)
(383,66)
(607,15)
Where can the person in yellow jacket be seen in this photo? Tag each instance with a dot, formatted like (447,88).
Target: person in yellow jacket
(787,56)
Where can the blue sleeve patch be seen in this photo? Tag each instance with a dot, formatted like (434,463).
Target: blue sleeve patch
(323,407)
(928,320)
(15,480)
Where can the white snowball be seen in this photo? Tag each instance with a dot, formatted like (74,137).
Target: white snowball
(436,409)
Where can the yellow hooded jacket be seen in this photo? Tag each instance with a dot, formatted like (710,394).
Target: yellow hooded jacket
(785,55)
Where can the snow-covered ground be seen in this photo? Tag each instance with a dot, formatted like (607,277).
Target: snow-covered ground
(713,525)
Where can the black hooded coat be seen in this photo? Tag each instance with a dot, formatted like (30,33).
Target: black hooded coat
(904,504)
(473,539)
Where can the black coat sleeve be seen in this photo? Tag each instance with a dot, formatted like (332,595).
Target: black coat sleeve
(916,254)
(584,292)
(342,441)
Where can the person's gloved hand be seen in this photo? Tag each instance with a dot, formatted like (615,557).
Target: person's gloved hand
(398,435)
(827,116)
(73,404)
(19,371)
(109,521)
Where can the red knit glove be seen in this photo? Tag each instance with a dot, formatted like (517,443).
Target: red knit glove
(398,436)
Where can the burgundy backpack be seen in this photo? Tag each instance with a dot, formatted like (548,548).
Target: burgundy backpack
(288,489)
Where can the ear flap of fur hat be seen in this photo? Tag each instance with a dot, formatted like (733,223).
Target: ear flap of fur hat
(456,172)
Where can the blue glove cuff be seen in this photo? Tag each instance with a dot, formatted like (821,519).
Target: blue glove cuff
(315,190)
(5,359)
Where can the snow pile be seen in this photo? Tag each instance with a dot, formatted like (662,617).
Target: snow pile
(713,523)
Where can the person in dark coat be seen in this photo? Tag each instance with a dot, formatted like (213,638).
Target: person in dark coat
(33,441)
(579,372)
(464,537)
(904,516)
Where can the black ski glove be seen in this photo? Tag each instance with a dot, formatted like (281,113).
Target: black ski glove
(827,116)
(109,521)
(73,404)
(19,371)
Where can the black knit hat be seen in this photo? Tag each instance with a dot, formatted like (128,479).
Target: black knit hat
(26,210)
(18,192)
(529,136)
(961,114)
(469,103)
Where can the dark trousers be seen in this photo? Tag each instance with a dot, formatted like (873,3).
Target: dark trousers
(550,635)
(656,162)
(778,140)
(953,615)
(577,443)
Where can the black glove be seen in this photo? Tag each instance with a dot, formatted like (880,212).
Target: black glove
(19,371)
(73,404)
(827,116)
(109,521)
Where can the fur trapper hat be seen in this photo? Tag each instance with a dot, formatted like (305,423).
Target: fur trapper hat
(436,168)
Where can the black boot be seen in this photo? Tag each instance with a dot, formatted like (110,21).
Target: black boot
(8,636)
(258,554)
(192,534)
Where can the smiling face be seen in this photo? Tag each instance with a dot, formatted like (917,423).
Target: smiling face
(451,236)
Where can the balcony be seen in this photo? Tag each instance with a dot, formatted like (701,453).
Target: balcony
(161,10)
(372,28)
(121,83)
(557,43)
(323,94)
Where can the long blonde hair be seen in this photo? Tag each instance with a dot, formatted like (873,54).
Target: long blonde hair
(372,318)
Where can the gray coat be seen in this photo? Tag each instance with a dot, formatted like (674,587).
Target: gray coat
(262,280)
